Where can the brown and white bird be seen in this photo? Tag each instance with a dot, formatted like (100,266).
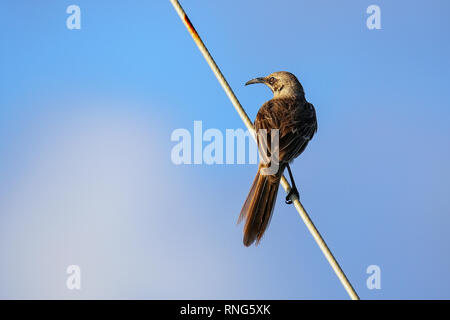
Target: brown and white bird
(295,118)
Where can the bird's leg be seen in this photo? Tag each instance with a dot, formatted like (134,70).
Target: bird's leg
(293,188)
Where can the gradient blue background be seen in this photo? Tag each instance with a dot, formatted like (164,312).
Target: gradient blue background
(85,171)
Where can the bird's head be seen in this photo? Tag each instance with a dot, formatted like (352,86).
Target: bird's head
(282,84)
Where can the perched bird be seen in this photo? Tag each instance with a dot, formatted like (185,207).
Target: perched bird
(295,118)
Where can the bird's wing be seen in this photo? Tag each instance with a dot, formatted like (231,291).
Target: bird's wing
(296,121)
(299,131)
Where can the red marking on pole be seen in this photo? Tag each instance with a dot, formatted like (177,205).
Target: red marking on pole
(191,27)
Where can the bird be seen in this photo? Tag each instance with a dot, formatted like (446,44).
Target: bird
(295,118)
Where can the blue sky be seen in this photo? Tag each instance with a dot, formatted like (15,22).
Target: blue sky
(85,171)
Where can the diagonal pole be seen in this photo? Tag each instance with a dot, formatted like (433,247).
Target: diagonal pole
(248,123)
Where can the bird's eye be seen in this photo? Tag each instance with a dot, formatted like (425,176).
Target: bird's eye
(271,80)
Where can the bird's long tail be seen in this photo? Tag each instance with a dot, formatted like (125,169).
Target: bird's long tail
(258,207)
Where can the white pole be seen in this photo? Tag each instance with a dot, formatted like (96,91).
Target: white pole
(248,123)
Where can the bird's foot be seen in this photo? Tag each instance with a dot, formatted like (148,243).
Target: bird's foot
(292,192)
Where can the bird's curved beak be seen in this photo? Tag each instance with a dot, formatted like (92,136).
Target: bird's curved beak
(256,80)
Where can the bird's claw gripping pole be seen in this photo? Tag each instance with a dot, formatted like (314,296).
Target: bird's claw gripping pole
(248,123)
